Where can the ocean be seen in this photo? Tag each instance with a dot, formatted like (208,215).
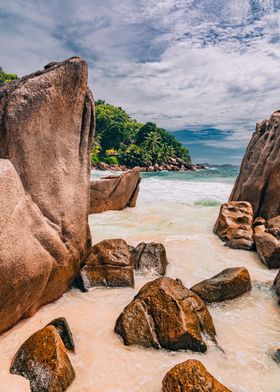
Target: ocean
(178,209)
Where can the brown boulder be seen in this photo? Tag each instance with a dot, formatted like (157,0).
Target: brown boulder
(165,314)
(234,225)
(114,192)
(268,248)
(46,125)
(191,376)
(43,360)
(259,180)
(149,257)
(273,226)
(110,263)
(64,331)
(228,284)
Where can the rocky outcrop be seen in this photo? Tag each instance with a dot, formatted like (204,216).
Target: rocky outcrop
(46,126)
(165,314)
(43,360)
(234,225)
(150,257)
(191,376)
(259,180)
(228,284)
(114,192)
(110,263)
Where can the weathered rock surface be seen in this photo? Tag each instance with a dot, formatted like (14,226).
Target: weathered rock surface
(234,225)
(110,263)
(228,284)
(43,360)
(114,192)
(149,257)
(273,226)
(165,314)
(46,126)
(268,248)
(276,285)
(64,331)
(259,180)
(191,376)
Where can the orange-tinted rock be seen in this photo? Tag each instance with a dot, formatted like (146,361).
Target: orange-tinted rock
(191,376)
(228,284)
(234,225)
(149,257)
(115,192)
(64,331)
(110,263)
(46,125)
(43,360)
(165,314)
(268,248)
(259,180)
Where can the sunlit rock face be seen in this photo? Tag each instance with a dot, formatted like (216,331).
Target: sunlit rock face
(46,126)
(259,180)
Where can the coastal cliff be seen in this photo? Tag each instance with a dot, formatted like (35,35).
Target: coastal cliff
(46,127)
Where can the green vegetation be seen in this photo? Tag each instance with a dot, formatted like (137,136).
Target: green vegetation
(119,139)
(4,77)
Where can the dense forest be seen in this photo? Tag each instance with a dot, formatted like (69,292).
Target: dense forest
(5,77)
(119,139)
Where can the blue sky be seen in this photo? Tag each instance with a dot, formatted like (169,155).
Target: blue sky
(206,68)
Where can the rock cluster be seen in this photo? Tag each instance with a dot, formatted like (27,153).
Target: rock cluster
(43,359)
(110,263)
(259,180)
(165,314)
(46,127)
(191,376)
(114,192)
(228,284)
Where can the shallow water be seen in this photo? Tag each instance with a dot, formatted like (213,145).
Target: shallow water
(180,213)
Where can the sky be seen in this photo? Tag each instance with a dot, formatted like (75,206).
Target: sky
(207,70)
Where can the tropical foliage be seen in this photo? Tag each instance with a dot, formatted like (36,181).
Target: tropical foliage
(119,139)
(4,77)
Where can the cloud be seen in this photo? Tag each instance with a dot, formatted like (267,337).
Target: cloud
(185,64)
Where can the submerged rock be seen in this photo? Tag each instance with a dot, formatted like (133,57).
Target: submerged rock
(228,284)
(46,127)
(114,192)
(43,360)
(259,180)
(165,314)
(149,257)
(191,376)
(110,263)
(64,331)
(234,225)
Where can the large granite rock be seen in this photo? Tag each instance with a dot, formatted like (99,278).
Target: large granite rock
(110,263)
(191,376)
(234,225)
(259,180)
(43,360)
(150,257)
(268,248)
(46,126)
(228,284)
(115,192)
(165,314)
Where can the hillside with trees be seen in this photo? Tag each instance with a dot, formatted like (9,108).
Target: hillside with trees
(6,77)
(121,140)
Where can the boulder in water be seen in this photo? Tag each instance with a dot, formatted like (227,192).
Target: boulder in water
(165,314)
(43,360)
(110,263)
(64,331)
(228,284)
(191,376)
(114,192)
(268,248)
(276,285)
(150,257)
(234,225)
